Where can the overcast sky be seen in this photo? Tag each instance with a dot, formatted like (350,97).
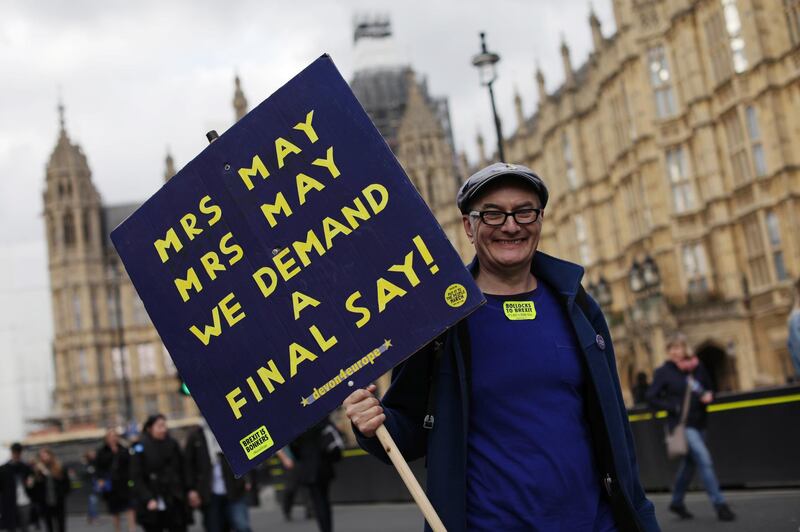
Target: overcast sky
(137,77)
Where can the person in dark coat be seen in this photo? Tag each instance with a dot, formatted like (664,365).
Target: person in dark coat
(668,392)
(530,430)
(212,486)
(50,488)
(639,391)
(197,464)
(313,468)
(89,475)
(291,487)
(113,478)
(16,481)
(159,483)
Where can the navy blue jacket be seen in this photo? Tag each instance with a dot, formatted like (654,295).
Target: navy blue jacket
(669,390)
(445,445)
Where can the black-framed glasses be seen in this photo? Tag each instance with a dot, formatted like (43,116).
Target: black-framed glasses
(497,218)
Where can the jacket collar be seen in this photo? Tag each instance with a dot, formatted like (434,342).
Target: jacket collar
(565,277)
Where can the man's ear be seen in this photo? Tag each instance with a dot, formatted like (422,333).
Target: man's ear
(467,221)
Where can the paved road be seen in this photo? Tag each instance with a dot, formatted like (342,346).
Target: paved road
(759,511)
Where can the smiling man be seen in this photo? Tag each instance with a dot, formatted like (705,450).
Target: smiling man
(518,408)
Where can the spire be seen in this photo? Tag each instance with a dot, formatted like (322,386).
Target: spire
(597,34)
(481,149)
(569,75)
(518,108)
(66,156)
(463,165)
(169,169)
(63,128)
(622,13)
(239,101)
(540,84)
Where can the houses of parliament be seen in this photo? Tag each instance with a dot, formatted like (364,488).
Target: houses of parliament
(673,159)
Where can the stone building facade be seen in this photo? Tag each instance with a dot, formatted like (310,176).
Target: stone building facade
(110,364)
(673,157)
(107,353)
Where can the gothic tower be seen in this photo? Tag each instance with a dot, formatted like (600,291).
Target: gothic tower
(427,156)
(239,101)
(73,221)
(111,367)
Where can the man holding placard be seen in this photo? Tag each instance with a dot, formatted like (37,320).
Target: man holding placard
(518,408)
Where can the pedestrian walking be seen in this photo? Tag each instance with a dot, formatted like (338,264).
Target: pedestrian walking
(291,486)
(313,468)
(50,488)
(212,486)
(113,480)
(159,483)
(683,382)
(197,464)
(16,482)
(518,408)
(90,478)
(794,332)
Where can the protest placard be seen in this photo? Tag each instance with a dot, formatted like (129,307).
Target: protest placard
(290,263)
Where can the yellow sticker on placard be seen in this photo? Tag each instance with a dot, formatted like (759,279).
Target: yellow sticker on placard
(519,310)
(455,295)
(256,442)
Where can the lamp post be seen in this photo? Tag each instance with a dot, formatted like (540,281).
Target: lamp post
(603,293)
(646,317)
(120,337)
(487,71)
(650,274)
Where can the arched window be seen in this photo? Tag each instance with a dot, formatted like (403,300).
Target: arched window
(87,227)
(431,191)
(69,229)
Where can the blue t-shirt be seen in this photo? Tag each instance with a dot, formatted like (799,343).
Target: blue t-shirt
(530,463)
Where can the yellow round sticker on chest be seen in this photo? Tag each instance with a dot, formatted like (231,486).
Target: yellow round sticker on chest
(519,310)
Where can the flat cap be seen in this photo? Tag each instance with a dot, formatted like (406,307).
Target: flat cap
(481,179)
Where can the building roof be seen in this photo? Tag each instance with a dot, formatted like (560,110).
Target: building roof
(384,95)
(113,215)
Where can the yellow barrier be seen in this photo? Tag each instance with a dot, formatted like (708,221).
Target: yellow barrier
(720,407)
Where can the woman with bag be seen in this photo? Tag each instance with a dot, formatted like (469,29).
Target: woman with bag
(682,387)
(113,477)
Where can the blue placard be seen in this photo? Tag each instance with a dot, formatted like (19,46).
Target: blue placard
(290,263)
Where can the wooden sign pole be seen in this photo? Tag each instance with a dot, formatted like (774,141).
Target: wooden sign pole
(410,480)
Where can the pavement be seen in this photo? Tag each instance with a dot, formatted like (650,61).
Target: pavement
(756,510)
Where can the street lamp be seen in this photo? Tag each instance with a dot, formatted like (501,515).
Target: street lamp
(636,278)
(650,273)
(487,71)
(120,337)
(603,293)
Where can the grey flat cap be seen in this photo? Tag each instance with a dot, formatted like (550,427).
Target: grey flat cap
(481,179)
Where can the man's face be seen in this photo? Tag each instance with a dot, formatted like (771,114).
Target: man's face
(511,245)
